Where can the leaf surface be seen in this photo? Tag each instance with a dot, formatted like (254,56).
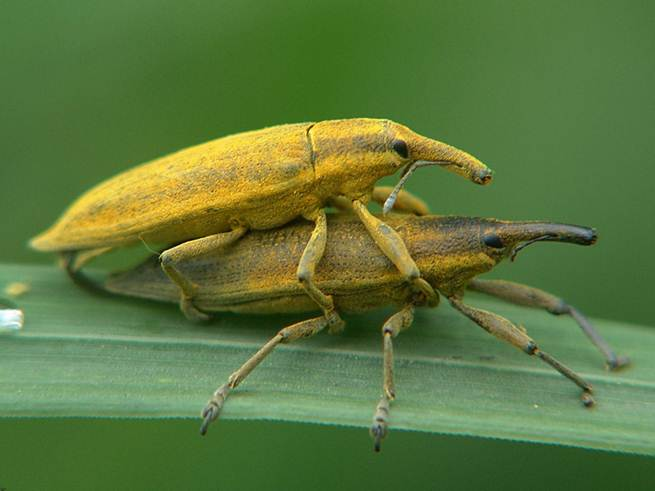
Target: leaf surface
(87,355)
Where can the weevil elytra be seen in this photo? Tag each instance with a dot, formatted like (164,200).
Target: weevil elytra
(206,197)
(256,275)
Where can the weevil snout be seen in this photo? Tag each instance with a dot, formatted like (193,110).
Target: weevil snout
(508,239)
(559,232)
(483,176)
(455,160)
(420,151)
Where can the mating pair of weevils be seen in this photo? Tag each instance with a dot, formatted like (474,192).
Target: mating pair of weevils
(227,208)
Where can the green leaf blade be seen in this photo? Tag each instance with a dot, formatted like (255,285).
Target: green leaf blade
(94,356)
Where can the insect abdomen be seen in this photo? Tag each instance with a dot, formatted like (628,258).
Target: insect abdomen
(190,193)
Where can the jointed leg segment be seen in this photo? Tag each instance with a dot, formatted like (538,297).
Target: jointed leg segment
(380,426)
(534,297)
(395,249)
(394,325)
(70,262)
(310,258)
(291,333)
(384,236)
(505,330)
(170,257)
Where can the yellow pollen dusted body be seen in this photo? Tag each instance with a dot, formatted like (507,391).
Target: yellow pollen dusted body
(208,196)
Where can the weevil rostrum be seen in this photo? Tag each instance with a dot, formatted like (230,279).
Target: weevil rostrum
(208,196)
(257,275)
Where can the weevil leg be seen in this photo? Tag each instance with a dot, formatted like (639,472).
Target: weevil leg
(87,255)
(505,330)
(73,261)
(341,203)
(397,323)
(304,329)
(70,263)
(534,297)
(380,426)
(406,202)
(307,266)
(395,249)
(187,250)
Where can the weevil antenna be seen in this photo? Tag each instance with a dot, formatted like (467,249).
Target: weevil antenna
(408,171)
(525,244)
(150,249)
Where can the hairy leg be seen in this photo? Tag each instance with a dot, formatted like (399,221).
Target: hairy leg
(291,333)
(536,298)
(187,250)
(397,323)
(505,330)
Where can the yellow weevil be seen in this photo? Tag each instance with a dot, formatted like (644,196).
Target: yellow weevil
(208,196)
(257,276)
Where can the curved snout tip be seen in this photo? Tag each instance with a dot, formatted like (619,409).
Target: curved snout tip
(483,176)
(591,236)
(521,235)
(573,234)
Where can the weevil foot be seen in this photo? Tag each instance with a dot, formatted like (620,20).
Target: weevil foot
(192,312)
(378,432)
(390,393)
(334,322)
(379,428)
(209,414)
(587,399)
(618,362)
(213,407)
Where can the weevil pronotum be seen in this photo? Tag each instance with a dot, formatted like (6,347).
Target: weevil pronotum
(256,275)
(208,196)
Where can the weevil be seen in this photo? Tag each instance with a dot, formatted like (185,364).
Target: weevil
(256,275)
(207,197)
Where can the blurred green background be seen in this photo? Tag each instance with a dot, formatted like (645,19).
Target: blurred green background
(557,97)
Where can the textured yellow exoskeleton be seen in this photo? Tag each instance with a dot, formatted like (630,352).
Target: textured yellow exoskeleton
(254,277)
(208,196)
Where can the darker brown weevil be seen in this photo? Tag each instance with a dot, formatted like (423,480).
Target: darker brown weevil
(451,252)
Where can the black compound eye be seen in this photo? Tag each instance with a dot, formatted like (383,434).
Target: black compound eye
(492,240)
(401,148)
